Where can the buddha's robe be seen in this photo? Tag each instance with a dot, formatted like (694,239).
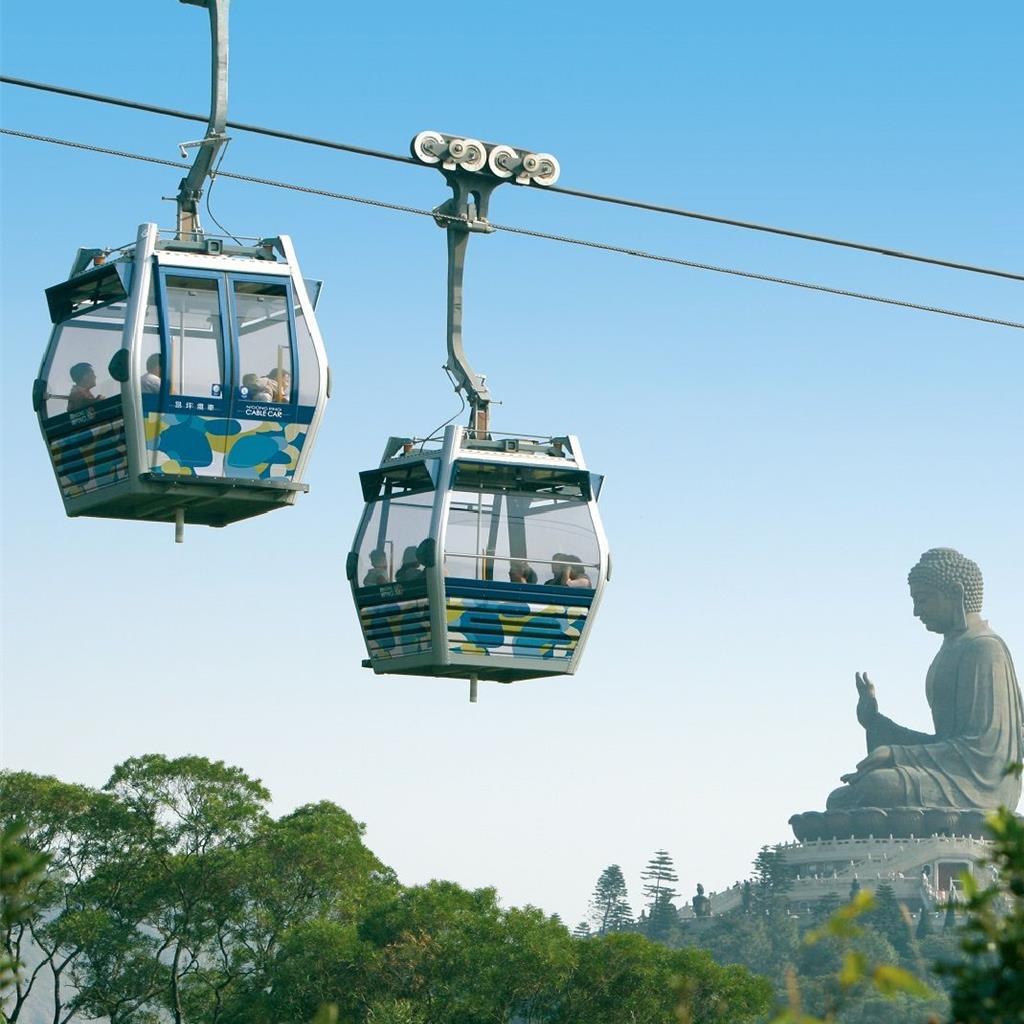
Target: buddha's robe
(976,709)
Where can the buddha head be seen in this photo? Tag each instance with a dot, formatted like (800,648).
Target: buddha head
(946,587)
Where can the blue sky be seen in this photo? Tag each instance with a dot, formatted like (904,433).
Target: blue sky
(775,460)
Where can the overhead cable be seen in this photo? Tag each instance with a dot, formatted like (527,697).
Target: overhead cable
(562,190)
(511,229)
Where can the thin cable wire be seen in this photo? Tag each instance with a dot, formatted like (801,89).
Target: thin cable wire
(209,193)
(462,398)
(559,189)
(511,229)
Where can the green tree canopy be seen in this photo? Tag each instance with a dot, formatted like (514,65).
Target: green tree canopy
(609,905)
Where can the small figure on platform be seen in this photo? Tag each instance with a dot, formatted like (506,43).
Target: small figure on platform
(701,904)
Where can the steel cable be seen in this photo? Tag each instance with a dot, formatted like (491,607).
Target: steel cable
(511,229)
(559,189)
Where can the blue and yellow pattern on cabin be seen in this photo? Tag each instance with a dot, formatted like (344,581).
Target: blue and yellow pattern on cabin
(186,444)
(483,618)
(88,449)
(518,629)
(396,620)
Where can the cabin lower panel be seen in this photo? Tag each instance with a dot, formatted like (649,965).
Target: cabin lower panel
(204,503)
(462,667)
(185,444)
(91,458)
(516,629)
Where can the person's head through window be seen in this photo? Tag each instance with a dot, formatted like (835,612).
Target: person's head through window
(577,573)
(280,385)
(559,570)
(521,572)
(83,377)
(153,376)
(410,568)
(378,573)
(250,384)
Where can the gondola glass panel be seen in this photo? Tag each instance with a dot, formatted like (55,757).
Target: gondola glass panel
(264,342)
(81,351)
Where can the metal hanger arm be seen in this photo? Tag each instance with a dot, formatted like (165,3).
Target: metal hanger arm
(191,188)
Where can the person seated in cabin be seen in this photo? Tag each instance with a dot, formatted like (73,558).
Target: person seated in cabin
(81,396)
(521,572)
(560,568)
(280,385)
(410,570)
(152,379)
(577,574)
(276,386)
(377,576)
(250,385)
(261,389)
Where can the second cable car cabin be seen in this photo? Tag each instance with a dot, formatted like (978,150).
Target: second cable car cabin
(183,381)
(482,559)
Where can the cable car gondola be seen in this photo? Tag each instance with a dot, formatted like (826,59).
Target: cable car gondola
(185,378)
(482,557)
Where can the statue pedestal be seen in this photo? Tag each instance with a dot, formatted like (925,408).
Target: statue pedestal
(901,822)
(921,871)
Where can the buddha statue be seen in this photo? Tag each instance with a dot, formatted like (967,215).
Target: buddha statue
(975,702)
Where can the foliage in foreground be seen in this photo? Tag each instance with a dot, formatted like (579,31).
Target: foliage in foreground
(988,983)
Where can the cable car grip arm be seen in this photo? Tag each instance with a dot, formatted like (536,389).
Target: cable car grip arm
(462,215)
(191,188)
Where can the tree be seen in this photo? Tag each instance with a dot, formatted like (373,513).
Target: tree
(177,884)
(892,919)
(21,871)
(310,865)
(661,914)
(609,905)
(772,881)
(74,828)
(988,982)
(582,930)
(460,958)
(626,978)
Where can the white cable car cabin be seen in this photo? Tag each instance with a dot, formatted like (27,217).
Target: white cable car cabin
(184,380)
(481,559)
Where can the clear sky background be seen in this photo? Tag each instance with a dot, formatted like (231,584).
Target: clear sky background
(776,460)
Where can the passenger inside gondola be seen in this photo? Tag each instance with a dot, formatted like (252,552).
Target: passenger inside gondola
(81,396)
(521,572)
(410,570)
(377,576)
(152,378)
(577,574)
(560,568)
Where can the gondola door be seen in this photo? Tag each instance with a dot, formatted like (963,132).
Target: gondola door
(186,385)
(267,430)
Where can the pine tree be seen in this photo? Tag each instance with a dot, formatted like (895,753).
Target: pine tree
(609,906)
(581,931)
(772,880)
(661,914)
(826,907)
(659,872)
(663,918)
(924,924)
(890,918)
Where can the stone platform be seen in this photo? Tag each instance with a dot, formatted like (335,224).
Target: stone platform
(921,871)
(898,822)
